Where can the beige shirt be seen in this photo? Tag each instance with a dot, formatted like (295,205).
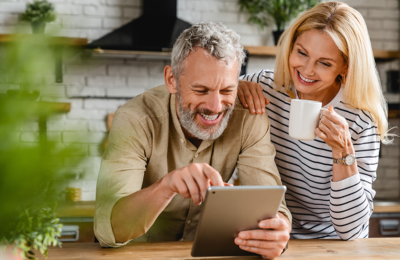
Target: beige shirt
(146,142)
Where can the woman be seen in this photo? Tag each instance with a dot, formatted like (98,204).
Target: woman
(326,56)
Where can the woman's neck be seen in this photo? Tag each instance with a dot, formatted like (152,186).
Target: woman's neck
(325,96)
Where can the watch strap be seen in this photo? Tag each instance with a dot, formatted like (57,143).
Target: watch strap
(340,161)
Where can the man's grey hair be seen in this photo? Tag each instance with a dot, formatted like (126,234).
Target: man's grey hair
(216,38)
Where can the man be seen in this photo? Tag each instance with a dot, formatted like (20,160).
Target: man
(168,145)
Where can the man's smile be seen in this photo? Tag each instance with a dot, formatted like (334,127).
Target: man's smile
(210,120)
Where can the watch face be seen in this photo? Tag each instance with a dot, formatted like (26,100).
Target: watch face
(350,159)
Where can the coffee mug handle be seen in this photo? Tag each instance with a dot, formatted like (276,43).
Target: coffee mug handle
(322,109)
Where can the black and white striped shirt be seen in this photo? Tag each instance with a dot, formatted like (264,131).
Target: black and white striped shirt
(322,208)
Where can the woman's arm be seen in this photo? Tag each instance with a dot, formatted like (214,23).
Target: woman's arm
(351,186)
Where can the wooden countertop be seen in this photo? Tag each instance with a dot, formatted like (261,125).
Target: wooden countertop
(365,249)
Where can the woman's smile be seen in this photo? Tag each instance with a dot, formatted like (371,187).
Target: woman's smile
(304,80)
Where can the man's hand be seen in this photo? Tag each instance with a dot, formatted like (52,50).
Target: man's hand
(270,240)
(193,181)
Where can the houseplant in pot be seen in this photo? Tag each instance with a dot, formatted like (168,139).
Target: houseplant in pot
(263,12)
(38,14)
(29,179)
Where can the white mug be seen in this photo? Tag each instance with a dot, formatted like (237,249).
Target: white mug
(304,118)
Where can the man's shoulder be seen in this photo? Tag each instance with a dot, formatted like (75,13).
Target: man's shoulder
(242,119)
(151,103)
(241,112)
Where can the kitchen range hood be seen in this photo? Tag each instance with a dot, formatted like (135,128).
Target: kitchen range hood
(155,31)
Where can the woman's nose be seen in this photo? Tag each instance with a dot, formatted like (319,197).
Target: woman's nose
(308,69)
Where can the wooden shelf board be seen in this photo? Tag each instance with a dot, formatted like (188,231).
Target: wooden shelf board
(100,53)
(6,38)
(55,107)
(387,207)
(261,50)
(271,51)
(79,209)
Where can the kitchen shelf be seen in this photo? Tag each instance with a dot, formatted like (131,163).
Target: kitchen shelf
(5,38)
(271,51)
(58,44)
(150,55)
(81,209)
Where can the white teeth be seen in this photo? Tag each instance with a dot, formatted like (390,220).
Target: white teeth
(210,117)
(305,79)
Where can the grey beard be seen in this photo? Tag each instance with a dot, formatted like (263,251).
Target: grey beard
(187,120)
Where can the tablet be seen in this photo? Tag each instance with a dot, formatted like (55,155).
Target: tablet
(228,210)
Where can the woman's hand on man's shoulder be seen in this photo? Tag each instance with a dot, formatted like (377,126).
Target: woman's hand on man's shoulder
(251,96)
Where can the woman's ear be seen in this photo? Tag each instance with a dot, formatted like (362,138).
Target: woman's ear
(169,79)
(344,71)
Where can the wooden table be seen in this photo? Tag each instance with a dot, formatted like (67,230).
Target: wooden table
(360,249)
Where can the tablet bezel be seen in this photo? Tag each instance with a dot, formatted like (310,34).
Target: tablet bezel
(232,210)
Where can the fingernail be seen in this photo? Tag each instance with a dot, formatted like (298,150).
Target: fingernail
(242,235)
(253,110)
(239,241)
(258,110)
(262,224)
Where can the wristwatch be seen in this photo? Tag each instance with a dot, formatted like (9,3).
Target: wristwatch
(347,160)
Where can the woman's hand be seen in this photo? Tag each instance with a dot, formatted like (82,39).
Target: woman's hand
(334,131)
(251,96)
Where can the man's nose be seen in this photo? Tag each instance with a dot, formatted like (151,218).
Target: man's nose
(214,102)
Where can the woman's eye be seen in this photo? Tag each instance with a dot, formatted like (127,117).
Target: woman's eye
(201,91)
(326,64)
(301,53)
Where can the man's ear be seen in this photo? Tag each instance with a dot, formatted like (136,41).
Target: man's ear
(169,79)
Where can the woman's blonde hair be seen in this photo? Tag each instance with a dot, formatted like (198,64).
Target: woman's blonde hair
(348,30)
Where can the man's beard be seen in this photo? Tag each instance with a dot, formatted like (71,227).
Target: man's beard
(188,121)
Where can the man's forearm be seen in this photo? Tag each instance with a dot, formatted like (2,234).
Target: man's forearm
(133,215)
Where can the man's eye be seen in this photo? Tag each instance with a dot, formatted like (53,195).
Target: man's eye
(201,91)
(226,91)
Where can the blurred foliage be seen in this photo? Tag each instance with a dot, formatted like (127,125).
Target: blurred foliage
(40,11)
(281,11)
(28,171)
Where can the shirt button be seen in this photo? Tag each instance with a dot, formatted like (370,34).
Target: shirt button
(188,222)
(182,141)
(196,155)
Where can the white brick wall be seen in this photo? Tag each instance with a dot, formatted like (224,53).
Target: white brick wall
(97,87)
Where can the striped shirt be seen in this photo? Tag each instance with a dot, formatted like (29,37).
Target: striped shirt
(322,208)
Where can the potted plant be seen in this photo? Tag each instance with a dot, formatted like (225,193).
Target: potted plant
(280,11)
(30,179)
(38,14)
